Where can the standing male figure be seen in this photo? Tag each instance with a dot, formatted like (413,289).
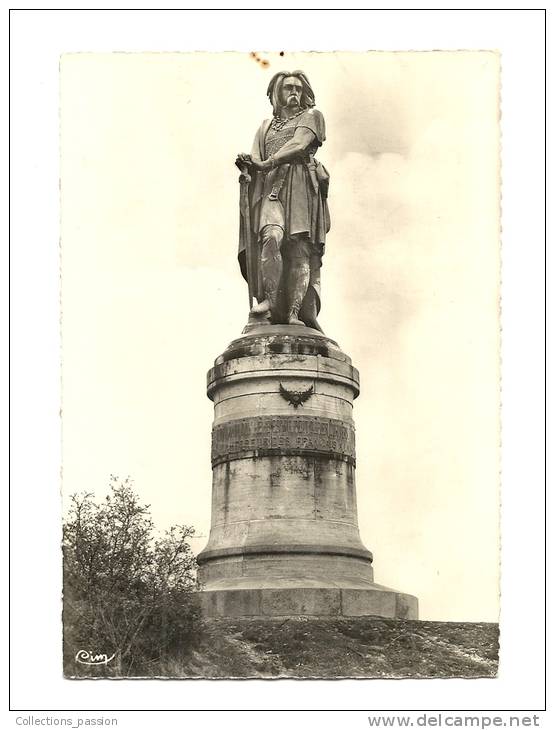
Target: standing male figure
(289,215)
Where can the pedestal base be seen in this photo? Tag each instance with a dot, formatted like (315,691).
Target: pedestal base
(376,601)
(284,537)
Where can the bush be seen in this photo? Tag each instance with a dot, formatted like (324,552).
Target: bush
(127,592)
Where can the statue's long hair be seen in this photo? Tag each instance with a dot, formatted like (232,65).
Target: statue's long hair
(274,90)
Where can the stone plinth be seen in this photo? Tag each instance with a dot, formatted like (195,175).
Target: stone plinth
(284,538)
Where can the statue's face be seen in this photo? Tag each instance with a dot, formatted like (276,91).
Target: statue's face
(291,92)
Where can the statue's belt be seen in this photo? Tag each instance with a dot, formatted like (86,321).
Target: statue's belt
(281,174)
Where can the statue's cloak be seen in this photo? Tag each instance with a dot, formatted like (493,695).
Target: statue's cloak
(303,195)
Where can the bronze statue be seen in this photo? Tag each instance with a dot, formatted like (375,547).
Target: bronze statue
(284,210)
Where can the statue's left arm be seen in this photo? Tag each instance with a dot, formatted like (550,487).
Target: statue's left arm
(310,132)
(300,142)
(297,145)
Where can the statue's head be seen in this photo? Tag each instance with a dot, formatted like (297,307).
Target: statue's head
(291,90)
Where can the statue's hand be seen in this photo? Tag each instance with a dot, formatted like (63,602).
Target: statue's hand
(243,159)
(247,161)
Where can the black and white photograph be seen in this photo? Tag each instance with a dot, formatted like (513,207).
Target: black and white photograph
(276,368)
(263,255)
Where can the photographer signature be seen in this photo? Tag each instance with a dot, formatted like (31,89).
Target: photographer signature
(87,657)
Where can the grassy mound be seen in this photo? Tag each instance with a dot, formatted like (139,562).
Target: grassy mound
(340,647)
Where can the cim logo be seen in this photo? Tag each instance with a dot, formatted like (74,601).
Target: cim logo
(87,657)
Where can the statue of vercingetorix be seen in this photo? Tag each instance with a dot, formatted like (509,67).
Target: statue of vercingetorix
(284,210)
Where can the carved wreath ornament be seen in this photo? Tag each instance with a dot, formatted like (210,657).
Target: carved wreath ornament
(295,398)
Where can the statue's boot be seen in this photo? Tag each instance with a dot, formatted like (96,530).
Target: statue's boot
(298,285)
(262,307)
(293,314)
(294,320)
(271,295)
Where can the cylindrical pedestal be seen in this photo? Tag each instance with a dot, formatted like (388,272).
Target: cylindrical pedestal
(284,538)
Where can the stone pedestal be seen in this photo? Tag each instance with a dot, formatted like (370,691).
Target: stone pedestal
(284,538)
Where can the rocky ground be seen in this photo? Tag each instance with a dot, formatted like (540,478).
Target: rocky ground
(341,647)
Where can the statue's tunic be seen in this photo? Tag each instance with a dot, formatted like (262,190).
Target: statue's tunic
(300,191)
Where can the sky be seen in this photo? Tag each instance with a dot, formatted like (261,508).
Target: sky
(151,291)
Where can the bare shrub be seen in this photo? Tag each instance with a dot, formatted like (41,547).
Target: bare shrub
(128,591)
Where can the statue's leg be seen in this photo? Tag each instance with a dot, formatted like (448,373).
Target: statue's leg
(298,278)
(271,265)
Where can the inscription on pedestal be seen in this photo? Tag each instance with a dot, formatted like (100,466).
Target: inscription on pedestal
(267,435)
